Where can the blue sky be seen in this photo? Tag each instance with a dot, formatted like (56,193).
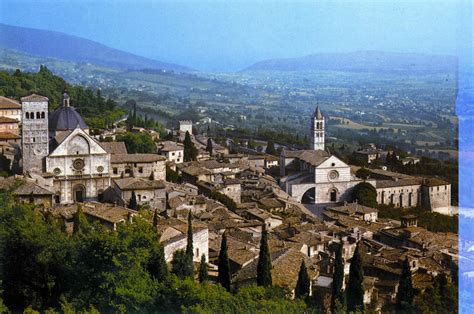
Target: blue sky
(223,35)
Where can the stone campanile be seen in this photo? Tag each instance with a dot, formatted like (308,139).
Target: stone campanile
(317,130)
(34,136)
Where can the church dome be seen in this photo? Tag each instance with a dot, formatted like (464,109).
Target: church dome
(66,118)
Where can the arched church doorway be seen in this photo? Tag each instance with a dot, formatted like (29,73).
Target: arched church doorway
(309,197)
(79,193)
(333,195)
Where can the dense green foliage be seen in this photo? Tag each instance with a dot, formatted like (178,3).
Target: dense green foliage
(223,276)
(138,143)
(189,241)
(264,266)
(363,173)
(172,176)
(190,151)
(303,283)
(405,290)
(182,264)
(434,222)
(97,111)
(224,199)
(338,300)
(441,297)
(355,287)
(365,194)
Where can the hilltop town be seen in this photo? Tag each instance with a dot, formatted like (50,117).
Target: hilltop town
(307,203)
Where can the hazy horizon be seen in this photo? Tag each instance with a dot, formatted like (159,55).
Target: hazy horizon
(218,36)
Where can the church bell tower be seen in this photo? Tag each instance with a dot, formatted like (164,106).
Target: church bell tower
(34,133)
(317,130)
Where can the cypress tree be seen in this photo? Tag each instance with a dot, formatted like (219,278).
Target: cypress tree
(405,289)
(264,266)
(133,201)
(190,151)
(302,286)
(270,148)
(355,288)
(223,276)
(189,245)
(203,269)
(157,265)
(337,300)
(209,147)
(155,219)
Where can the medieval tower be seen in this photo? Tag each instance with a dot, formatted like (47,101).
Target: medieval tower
(34,137)
(317,130)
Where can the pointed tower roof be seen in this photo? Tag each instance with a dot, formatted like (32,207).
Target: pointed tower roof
(317,113)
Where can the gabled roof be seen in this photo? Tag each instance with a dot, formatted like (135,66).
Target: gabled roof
(138,184)
(129,158)
(7,103)
(31,188)
(34,97)
(114,147)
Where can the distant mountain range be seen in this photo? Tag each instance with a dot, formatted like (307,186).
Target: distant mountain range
(71,48)
(363,61)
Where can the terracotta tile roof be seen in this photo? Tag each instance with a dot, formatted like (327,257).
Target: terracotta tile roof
(129,184)
(313,157)
(31,188)
(8,120)
(434,182)
(401,182)
(34,97)
(7,103)
(169,146)
(132,158)
(8,136)
(196,171)
(114,147)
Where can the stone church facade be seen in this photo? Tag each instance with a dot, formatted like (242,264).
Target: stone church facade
(58,149)
(317,177)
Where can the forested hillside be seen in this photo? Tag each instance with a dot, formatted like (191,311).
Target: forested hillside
(97,111)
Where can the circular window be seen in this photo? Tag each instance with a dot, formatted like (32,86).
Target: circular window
(333,175)
(57,171)
(78,164)
(100,169)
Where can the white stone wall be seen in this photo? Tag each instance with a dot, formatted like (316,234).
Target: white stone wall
(437,198)
(233,191)
(399,196)
(317,135)
(186,126)
(175,156)
(157,167)
(200,246)
(155,198)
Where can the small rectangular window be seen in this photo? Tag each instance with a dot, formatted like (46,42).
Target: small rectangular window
(115,170)
(140,169)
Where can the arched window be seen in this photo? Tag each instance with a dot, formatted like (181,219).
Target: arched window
(42,115)
(27,115)
(38,115)
(32,115)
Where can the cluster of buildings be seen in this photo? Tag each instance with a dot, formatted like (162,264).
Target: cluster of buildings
(64,167)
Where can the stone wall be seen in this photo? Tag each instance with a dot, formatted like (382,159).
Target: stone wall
(34,135)
(200,246)
(400,196)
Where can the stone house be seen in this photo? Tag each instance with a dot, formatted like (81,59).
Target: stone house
(173,236)
(149,192)
(149,166)
(174,152)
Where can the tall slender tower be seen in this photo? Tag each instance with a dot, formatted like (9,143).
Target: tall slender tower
(317,130)
(34,135)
